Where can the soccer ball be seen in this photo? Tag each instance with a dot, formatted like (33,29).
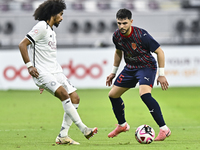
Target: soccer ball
(145,134)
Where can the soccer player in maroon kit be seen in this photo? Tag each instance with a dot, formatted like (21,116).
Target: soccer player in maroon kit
(136,45)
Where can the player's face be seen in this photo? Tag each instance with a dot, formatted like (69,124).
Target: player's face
(124,25)
(58,18)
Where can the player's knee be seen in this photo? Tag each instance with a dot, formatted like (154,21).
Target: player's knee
(75,99)
(61,93)
(144,89)
(112,95)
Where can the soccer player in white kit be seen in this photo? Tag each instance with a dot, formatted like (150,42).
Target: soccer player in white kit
(47,74)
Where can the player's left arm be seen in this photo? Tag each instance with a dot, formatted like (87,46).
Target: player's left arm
(117,61)
(161,64)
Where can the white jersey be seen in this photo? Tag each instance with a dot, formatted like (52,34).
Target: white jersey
(43,50)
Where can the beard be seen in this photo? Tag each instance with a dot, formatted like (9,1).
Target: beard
(124,31)
(56,24)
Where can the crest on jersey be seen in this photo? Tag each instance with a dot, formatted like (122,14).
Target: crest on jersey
(134,46)
(35,31)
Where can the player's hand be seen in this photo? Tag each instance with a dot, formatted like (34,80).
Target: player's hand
(41,90)
(33,72)
(163,82)
(109,79)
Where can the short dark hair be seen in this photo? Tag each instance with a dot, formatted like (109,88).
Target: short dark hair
(123,14)
(49,8)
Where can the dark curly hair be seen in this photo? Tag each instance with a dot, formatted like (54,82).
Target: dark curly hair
(49,8)
(123,14)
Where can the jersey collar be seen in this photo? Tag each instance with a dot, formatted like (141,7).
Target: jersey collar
(128,35)
(49,26)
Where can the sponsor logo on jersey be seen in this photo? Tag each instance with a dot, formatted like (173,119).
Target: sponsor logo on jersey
(52,44)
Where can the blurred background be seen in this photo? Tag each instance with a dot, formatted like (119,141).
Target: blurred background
(84,39)
(90,23)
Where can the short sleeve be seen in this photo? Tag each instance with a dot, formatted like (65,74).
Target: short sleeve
(149,42)
(115,42)
(37,32)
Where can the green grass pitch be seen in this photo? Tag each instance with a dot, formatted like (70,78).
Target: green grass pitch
(31,121)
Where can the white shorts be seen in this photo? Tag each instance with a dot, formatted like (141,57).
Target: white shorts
(51,82)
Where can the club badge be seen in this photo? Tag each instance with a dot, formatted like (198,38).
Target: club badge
(134,46)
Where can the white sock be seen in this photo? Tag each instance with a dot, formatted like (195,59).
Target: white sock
(73,114)
(164,127)
(67,122)
(123,124)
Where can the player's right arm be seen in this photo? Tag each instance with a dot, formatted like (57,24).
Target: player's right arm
(117,60)
(117,57)
(24,53)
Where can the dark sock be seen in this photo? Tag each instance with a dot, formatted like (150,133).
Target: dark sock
(154,108)
(118,109)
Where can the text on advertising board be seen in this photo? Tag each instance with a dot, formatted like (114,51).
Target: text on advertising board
(80,71)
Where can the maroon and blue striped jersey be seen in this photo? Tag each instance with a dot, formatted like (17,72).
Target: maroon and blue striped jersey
(137,48)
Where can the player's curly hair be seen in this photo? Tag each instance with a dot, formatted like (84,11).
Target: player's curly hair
(123,14)
(49,8)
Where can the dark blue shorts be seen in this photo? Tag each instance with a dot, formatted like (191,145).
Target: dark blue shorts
(130,77)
